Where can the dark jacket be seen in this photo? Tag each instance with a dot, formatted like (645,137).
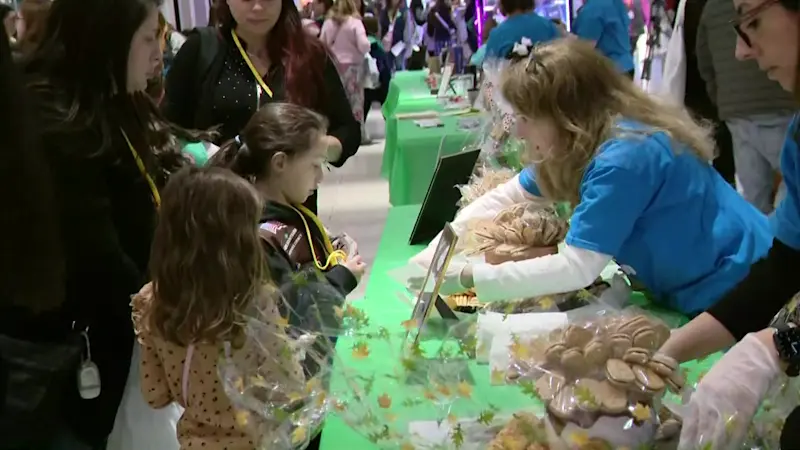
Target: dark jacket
(194,79)
(436,29)
(107,217)
(399,25)
(312,295)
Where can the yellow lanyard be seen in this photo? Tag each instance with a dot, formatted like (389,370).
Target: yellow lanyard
(335,257)
(250,64)
(143,170)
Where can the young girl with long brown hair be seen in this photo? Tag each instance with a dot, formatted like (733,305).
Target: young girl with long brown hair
(209,272)
(282,152)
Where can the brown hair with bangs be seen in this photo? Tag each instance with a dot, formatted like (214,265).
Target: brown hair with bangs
(206,261)
(583,93)
(275,127)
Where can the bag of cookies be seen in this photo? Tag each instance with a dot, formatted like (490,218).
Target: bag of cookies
(519,232)
(601,380)
(484,179)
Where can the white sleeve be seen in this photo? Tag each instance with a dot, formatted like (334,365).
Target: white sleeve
(571,269)
(486,207)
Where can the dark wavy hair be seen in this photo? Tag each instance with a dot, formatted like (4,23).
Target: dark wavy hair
(31,260)
(79,74)
(303,56)
(276,127)
(207,262)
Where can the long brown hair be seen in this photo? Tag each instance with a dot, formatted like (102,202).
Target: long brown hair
(343,9)
(34,14)
(584,94)
(276,127)
(206,263)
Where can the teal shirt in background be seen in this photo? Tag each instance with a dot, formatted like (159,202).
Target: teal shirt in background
(477,58)
(513,29)
(197,152)
(606,22)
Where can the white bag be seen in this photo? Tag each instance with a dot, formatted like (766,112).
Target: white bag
(372,75)
(673,83)
(138,426)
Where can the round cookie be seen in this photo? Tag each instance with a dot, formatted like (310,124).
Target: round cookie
(636,355)
(564,403)
(620,343)
(613,400)
(662,331)
(576,336)
(573,362)
(548,385)
(596,352)
(645,338)
(553,353)
(662,364)
(633,324)
(676,381)
(647,380)
(619,373)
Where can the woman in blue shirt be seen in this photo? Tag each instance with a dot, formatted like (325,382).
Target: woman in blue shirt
(637,174)
(521,22)
(606,24)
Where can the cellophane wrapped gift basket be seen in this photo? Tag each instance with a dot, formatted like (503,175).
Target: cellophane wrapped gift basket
(594,382)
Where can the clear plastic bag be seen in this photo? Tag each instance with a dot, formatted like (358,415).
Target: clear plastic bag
(601,379)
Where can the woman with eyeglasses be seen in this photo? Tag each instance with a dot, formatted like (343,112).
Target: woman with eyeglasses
(768,32)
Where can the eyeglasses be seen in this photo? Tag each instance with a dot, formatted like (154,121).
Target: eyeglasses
(748,16)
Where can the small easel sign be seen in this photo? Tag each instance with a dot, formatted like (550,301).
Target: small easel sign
(446,81)
(422,307)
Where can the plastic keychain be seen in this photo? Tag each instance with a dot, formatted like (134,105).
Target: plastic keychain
(88,373)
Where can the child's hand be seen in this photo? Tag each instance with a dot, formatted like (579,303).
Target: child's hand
(356,266)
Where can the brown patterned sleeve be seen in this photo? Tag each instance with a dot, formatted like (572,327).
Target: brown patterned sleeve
(155,386)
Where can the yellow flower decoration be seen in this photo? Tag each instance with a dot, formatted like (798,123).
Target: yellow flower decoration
(579,439)
(444,390)
(242,418)
(299,435)
(452,419)
(464,389)
(546,302)
(498,376)
(407,446)
(641,412)
(360,350)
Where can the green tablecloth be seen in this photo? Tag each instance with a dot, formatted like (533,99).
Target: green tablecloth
(408,93)
(384,309)
(410,156)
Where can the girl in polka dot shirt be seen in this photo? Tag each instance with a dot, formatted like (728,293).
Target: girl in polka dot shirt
(208,270)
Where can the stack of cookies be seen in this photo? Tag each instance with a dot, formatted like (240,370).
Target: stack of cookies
(608,367)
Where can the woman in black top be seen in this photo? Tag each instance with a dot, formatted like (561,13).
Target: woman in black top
(211,81)
(98,135)
(441,27)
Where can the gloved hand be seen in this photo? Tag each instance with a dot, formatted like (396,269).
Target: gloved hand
(719,412)
(451,283)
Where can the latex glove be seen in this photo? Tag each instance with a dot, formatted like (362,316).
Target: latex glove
(451,284)
(720,411)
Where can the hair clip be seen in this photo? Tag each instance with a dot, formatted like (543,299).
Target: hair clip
(238,140)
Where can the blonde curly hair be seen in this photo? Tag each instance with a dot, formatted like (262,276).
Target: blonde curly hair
(584,94)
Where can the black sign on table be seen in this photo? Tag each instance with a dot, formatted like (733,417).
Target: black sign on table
(441,201)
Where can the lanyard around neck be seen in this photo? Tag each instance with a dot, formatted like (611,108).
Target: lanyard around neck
(335,257)
(250,64)
(143,170)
